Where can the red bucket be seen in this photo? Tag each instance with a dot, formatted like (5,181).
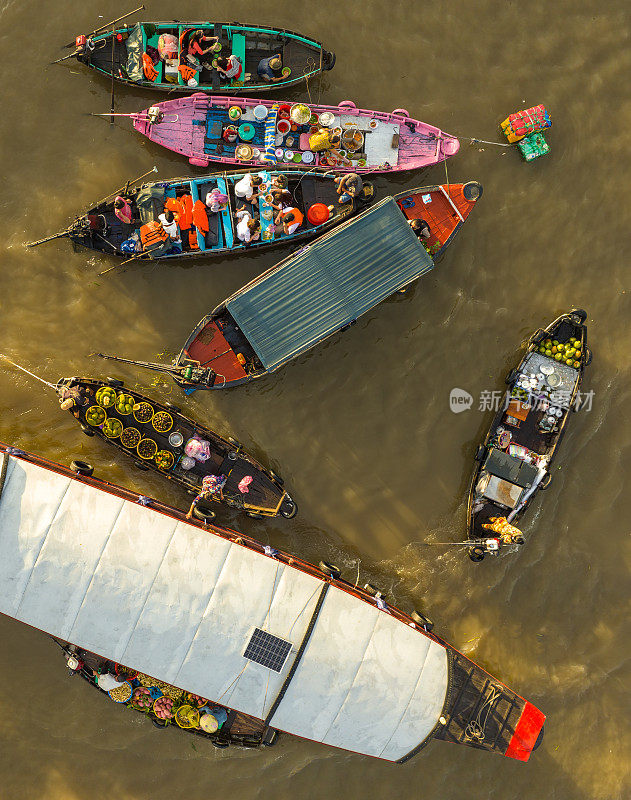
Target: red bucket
(283,111)
(318,214)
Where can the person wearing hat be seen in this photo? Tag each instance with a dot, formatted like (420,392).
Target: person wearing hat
(271,69)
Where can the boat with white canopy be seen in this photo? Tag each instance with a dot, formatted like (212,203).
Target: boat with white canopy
(240,625)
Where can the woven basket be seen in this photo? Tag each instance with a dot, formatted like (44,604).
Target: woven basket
(187,717)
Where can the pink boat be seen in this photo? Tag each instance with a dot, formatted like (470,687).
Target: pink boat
(268,132)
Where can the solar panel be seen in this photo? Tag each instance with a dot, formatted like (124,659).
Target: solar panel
(267,650)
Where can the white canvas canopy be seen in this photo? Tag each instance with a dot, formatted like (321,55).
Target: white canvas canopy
(160,595)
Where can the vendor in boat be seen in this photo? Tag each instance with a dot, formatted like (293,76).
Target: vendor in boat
(230,68)
(246,188)
(105,678)
(212,487)
(508,533)
(72,398)
(216,200)
(323,139)
(349,186)
(123,210)
(288,220)
(248,228)
(420,228)
(169,223)
(200,45)
(270,69)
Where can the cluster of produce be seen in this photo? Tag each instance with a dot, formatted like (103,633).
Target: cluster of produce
(122,693)
(163,707)
(141,698)
(124,404)
(112,428)
(143,411)
(164,459)
(187,717)
(162,421)
(106,396)
(95,416)
(147,449)
(567,352)
(130,437)
(196,701)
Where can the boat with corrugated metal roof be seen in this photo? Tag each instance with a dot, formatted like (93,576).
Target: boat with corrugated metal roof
(236,625)
(322,289)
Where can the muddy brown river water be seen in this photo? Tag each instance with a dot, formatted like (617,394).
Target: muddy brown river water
(360,428)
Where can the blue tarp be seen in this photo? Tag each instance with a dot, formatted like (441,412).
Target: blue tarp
(329,284)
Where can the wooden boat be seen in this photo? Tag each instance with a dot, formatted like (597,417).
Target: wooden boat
(157,436)
(100,229)
(303,58)
(130,578)
(514,460)
(298,303)
(195,127)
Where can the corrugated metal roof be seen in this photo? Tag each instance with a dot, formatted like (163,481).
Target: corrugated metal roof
(144,589)
(329,284)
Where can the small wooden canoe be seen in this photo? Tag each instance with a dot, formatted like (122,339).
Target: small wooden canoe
(382,142)
(514,460)
(295,304)
(125,419)
(99,229)
(302,58)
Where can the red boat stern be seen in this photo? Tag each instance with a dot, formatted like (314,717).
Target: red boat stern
(528,733)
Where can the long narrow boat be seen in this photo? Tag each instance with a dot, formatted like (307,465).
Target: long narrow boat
(514,460)
(302,58)
(195,127)
(242,626)
(159,437)
(100,229)
(322,289)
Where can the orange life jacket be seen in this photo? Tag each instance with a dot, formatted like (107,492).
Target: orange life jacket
(152,235)
(185,219)
(151,73)
(187,72)
(192,239)
(200,217)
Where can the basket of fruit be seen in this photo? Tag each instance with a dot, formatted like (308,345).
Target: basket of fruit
(164,459)
(162,421)
(195,700)
(568,353)
(106,396)
(112,428)
(143,412)
(126,673)
(95,416)
(130,438)
(124,404)
(147,449)
(187,717)
(163,707)
(122,693)
(141,698)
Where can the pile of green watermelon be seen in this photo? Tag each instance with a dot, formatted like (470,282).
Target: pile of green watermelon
(569,352)
(95,416)
(106,396)
(124,403)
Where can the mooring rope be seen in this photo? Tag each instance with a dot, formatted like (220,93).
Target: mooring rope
(475,728)
(32,374)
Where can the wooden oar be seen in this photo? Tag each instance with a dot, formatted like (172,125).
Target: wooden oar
(64,58)
(133,258)
(48,239)
(113,22)
(112,95)
(125,188)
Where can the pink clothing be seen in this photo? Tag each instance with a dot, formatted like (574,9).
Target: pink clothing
(244,483)
(124,214)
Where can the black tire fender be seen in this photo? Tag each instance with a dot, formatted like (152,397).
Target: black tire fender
(332,570)
(373,591)
(276,478)
(82,468)
(234,442)
(512,375)
(203,512)
(253,515)
(293,510)
(422,620)
(580,314)
(479,453)
(159,723)
(115,382)
(476,554)
(220,744)
(546,481)
(588,356)
(87,430)
(538,336)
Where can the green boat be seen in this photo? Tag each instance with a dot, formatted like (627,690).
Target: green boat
(157,55)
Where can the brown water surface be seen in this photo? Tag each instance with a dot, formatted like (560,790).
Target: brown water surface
(360,428)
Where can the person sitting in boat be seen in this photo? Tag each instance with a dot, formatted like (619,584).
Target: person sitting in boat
(216,200)
(270,69)
(71,399)
(200,45)
(348,186)
(248,228)
(280,181)
(230,68)
(123,210)
(288,220)
(508,533)
(420,228)
(280,198)
(323,139)
(245,188)
(169,223)
(212,487)
(106,679)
